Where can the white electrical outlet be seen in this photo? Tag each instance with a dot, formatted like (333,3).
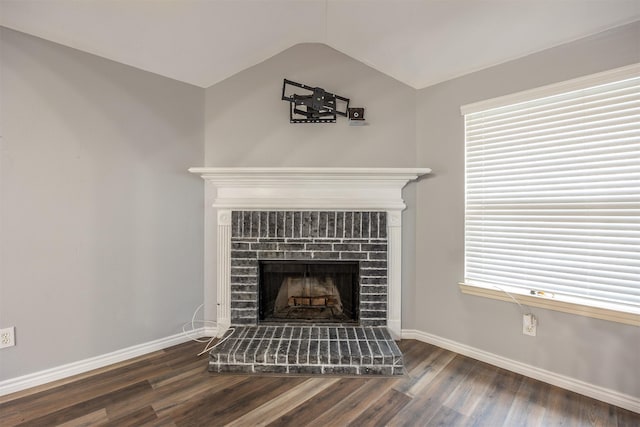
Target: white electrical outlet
(8,337)
(529,323)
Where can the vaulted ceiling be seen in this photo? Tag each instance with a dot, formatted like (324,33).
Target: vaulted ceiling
(419,42)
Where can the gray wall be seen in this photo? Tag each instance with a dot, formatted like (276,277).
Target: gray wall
(248,125)
(101,224)
(596,351)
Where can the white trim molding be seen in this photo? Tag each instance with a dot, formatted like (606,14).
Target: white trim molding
(603,394)
(394,273)
(313,188)
(561,303)
(24,382)
(223,288)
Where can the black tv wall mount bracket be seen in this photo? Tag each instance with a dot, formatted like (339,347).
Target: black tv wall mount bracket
(316,105)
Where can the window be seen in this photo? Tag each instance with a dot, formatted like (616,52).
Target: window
(553,196)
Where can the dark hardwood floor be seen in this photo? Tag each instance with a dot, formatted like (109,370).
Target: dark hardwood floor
(173,388)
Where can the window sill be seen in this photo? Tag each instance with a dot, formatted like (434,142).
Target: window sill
(553,303)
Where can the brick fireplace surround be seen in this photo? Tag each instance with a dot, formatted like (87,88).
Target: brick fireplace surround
(309,235)
(254,214)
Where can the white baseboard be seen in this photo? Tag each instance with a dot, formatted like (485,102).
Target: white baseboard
(209,331)
(13,385)
(600,393)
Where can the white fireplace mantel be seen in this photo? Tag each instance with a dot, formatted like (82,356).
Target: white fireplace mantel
(286,188)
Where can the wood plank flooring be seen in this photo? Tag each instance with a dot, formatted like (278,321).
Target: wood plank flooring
(173,388)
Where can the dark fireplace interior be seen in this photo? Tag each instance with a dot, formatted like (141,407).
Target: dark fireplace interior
(304,291)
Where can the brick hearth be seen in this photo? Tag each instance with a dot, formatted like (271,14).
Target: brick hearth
(308,349)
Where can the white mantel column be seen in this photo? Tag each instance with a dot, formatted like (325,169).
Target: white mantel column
(210,314)
(224,271)
(394,273)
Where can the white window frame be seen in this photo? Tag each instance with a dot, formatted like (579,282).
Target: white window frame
(553,301)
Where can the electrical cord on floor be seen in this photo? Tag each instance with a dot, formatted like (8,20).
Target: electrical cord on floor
(207,348)
(191,333)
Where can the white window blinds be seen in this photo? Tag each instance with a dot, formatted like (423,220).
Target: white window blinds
(553,191)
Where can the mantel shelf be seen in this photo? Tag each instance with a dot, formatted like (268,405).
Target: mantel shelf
(309,188)
(287,174)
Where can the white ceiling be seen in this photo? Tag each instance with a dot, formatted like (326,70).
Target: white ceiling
(419,42)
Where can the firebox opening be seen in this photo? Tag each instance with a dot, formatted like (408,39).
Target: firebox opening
(303,291)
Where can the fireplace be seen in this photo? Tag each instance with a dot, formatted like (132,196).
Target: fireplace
(314,292)
(230,270)
(267,221)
